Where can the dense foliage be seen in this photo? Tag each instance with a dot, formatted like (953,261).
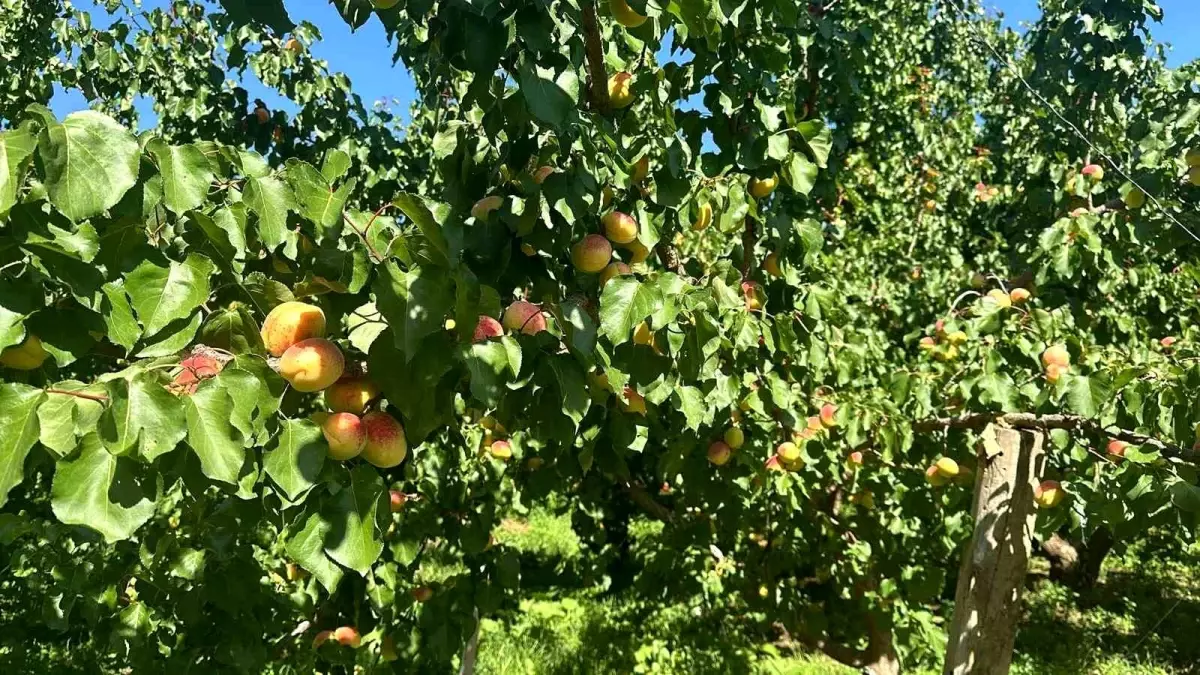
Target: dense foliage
(746,290)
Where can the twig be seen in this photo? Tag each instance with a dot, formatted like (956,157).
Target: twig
(363,235)
(99,398)
(1047,422)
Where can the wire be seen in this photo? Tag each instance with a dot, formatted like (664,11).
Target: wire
(1049,106)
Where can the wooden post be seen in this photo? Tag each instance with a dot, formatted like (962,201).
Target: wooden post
(987,602)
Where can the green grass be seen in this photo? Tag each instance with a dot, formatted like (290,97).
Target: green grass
(1109,631)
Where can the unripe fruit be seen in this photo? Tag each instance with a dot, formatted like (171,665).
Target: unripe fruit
(289,323)
(29,355)
(771,265)
(386,445)
(1194,176)
(620,90)
(591,254)
(753,294)
(542,173)
(534,463)
(346,435)
(1094,172)
(764,187)
(634,402)
(624,14)
(828,416)
(396,500)
(262,115)
(638,253)
(347,637)
(855,459)
(422,593)
(1134,199)
(1048,494)
(978,280)
(703,217)
(312,365)
(484,207)
(642,335)
(641,169)
(948,354)
(763,592)
(524,317)
(613,269)
(501,450)
(1000,298)
(958,337)
(719,453)
(387,650)
(930,206)
(606,197)
(947,467)
(934,477)
(294,572)
(350,395)
(528,249)
(787,452)
(1056,355)
(487,328)
(385,4)
(619,227)
(1018,296)
(735,437)
(1116,449)
(1192,157)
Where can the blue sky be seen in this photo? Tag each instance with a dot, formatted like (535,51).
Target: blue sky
(365,56)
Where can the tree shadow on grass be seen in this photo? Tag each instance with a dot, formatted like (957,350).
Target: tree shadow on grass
(1144,615)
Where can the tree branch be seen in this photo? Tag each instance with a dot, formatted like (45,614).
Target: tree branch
(643,499)
(1047,422)
(99,398)
(595,58)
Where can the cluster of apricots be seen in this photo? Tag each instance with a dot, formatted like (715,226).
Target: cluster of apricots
(789,454)
(295,332)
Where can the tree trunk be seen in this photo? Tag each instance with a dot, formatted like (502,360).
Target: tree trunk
(881,649)
(987,602)
(1078,564)
(471,651)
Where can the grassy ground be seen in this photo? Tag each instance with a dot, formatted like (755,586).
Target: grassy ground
(1144,619)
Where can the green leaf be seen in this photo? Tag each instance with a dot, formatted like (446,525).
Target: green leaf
(174,337)
(354,514)
(16,147)
(819,140)
(295,457)
(691,404)
(307,548)
(420,213)
(141,415)
(165,294)
(233,329)
(270,200)
(211,434)
(225,231)
(415,304)
(487,362)
(123,328)
(1086,395)
(316,198)
(18,432)
(90,162)
(624,304)
(572,386)
(63,418)
(802,173)
(102,492)
(18,300)
(546,100)
(186,174)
